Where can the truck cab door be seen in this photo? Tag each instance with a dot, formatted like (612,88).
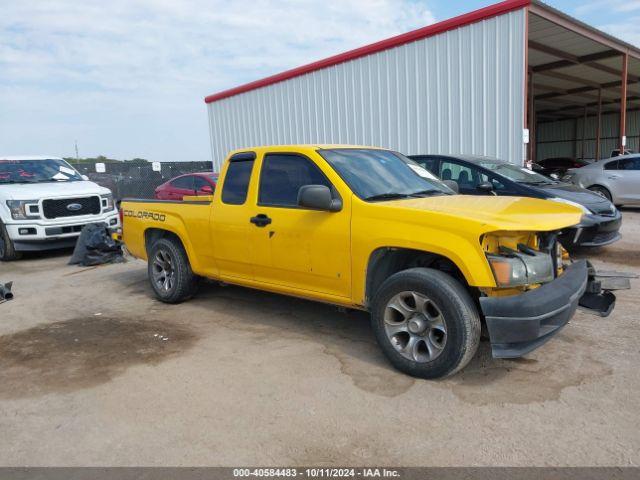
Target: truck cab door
(230,218)
(294,247)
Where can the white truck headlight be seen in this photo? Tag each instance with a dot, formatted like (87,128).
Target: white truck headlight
(23,209)
(106,201)
(516,269)
(584,209)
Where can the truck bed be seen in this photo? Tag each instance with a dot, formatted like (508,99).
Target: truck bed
(140,216)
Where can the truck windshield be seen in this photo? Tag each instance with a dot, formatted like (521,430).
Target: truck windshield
(37,171)
(382,175)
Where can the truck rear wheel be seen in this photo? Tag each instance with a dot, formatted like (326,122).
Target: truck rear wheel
(170,273)
(7,249)
(426,323)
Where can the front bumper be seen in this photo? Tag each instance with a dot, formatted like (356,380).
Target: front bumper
(594,231)
(521,323)
(42,235)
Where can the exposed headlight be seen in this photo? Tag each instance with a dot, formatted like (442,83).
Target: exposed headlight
(23,209)
(513,269)
(573,204)
(107,202)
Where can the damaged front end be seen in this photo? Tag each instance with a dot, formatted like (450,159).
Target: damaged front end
(538,291)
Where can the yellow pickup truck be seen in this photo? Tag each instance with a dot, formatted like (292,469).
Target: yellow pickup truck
(369,229)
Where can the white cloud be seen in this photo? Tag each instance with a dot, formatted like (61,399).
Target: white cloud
(128,77)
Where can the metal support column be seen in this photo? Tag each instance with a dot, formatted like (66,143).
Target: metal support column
(623,102)
(599,124)
(530,117)
(584,131)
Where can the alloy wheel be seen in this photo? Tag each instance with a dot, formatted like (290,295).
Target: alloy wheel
(415,326)
(163,270)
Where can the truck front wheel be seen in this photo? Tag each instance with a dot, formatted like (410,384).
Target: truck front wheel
(7,249)
(170,274)
(426,323)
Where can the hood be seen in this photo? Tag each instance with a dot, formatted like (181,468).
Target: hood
(34,191)
(594,202)
(492,213)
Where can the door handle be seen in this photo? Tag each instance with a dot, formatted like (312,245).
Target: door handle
(260,220)
(613,177)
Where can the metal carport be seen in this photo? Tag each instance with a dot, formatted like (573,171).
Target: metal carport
(583,97)
(480,83)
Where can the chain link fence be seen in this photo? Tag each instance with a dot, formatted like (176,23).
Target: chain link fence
(138,180)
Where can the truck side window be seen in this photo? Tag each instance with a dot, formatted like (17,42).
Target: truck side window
(283,175)
(236,182)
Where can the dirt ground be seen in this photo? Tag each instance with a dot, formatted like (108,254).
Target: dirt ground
(94,371)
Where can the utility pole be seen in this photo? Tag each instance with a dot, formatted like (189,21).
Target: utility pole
(77,157)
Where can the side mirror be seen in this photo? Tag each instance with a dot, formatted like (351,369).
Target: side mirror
(452,184)
(207,190)
(318,197)
(555,176)
(485,187)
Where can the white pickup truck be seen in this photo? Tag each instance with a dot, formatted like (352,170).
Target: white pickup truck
(45,202)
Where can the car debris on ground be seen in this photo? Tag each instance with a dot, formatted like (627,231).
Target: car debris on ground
(95,246)
(5,292)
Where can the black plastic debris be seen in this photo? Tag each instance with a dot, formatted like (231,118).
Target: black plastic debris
(5,292)
(96,247)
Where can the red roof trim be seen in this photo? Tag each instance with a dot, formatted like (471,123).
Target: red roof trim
(466,19)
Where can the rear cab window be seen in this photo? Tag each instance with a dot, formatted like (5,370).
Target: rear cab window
(237,178)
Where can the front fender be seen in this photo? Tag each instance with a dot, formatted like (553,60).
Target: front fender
(465,255)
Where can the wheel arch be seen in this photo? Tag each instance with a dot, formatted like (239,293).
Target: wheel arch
(386,261)
(603,186)
(153,234)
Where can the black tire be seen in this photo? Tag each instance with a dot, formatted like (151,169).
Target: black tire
(602,191)
(7,248)
(456,311)
(183,283)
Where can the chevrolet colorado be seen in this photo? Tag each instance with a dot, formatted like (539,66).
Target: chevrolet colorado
(367,228)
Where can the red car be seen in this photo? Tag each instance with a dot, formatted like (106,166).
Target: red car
(203,183)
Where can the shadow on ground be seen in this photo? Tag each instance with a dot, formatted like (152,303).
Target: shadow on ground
(83,352)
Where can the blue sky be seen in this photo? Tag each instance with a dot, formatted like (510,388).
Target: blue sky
(127,78)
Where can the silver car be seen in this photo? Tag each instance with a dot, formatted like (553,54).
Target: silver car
(617,179)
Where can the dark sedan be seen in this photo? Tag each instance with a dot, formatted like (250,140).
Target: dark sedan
(476,175)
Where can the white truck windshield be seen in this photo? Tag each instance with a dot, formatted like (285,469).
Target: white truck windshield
(37,171)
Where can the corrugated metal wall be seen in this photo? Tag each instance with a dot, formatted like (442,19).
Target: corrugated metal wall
(564,137)
(461,91)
